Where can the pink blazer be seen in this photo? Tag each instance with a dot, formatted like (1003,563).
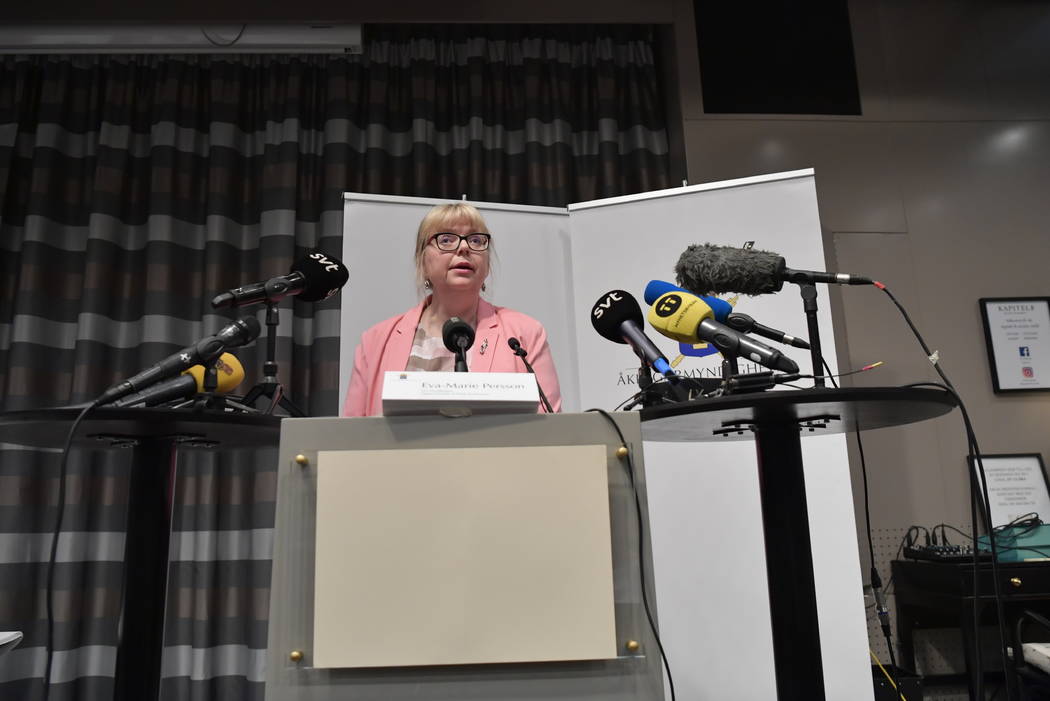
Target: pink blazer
(387,345)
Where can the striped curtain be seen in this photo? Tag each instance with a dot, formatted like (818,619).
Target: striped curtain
(134,188)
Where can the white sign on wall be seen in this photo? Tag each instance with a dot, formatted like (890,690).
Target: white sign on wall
(1018,334)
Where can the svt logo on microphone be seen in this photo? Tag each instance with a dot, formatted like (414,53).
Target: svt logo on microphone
(606,303)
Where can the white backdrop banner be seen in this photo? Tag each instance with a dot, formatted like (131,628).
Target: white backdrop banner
(554,264)
(708,547)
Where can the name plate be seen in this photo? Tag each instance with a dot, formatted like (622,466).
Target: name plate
(459,393)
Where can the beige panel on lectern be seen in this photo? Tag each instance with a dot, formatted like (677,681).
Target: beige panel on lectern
(479,555)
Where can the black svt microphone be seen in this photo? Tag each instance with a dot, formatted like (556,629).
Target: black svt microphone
(706,269)
(203,352)
(617,317)
(746,324)
(458,337)
(312,278)
(515,345)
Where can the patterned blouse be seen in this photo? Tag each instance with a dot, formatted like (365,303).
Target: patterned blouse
(430,354)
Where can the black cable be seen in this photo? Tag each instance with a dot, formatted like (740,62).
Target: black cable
(641,548)
(905,539)
(876,581)
(975,454)
(231,42)
(49,593)
(636,395)
(979,487)
(977,654)
(893,666)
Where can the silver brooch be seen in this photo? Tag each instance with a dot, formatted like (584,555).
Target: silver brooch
(484,345)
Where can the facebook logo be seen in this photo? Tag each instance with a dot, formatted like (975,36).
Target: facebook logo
(1025,351)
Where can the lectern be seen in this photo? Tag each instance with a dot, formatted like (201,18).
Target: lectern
(486,557)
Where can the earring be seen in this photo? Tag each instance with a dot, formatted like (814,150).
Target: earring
(483,287)
(427,285)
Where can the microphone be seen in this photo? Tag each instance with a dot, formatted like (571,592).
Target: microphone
(685,318)
(238,333)
(313,278)
(745,324)
(705,269)
(458,337)
(515,345)
(617,317)
(228,370)
(658,288)
(723,312)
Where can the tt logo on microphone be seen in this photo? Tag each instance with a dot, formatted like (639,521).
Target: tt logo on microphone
(606,303)
(668,305)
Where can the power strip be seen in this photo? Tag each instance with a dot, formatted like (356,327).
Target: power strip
(945,553)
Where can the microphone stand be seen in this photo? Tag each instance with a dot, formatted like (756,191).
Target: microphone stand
(730,370)
(461,358)
(208,399)
(809,303)
(521,353)
(270,385)
(645,383)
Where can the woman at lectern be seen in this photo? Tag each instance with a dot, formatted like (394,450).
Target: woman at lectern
(453,247)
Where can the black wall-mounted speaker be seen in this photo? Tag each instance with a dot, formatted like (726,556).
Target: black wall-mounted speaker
(776,57)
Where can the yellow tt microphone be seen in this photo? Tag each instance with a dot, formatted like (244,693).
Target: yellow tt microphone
(678,315)
(687,319)
(228,371)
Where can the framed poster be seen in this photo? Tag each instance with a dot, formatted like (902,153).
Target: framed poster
(1017,331)
(1017,485)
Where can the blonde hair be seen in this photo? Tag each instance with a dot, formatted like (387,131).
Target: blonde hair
(441,218)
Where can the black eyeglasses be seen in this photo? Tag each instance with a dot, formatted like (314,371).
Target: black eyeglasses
(446,241)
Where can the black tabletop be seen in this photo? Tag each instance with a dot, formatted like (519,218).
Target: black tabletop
(47,428)
(817,411)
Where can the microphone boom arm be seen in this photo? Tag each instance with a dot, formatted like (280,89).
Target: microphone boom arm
(515,345)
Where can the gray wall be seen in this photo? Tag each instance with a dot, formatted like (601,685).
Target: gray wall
(940,191)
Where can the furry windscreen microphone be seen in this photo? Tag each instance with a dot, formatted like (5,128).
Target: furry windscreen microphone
(708,269)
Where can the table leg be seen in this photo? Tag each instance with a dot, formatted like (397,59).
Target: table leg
(145,572)
(906,637)
(969,642)
(789,562)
